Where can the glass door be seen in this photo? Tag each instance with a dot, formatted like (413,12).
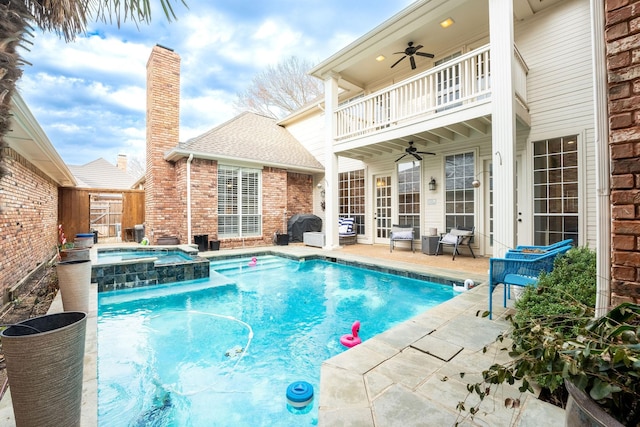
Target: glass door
(382,214)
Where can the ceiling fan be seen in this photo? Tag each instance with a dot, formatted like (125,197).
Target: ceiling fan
(414,152)
(410,51)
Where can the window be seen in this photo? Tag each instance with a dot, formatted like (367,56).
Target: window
(409,195)
(351,197)
(459,193)
(239,202)
(555,190)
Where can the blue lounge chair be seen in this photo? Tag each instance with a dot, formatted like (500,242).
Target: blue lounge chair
(519,271)
(544,248)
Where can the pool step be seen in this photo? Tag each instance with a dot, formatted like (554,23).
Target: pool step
(265,262)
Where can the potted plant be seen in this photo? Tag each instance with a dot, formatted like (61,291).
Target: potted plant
(67,251)
(557,342)
(214,243)
(74,275)
(44,359)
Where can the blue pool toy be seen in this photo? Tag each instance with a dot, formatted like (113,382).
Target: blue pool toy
(299,394)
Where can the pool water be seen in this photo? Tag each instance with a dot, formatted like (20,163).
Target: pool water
(222,351)
(164,257)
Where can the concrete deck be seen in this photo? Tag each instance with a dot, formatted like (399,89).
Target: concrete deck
(407,376)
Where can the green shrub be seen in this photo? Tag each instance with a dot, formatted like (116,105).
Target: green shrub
(567,294)
(571,284)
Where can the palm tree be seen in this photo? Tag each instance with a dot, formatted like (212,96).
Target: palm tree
(65,18)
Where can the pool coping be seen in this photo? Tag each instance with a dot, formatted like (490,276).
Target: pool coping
(399,377)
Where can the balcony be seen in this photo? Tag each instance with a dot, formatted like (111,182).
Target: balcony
(457,84)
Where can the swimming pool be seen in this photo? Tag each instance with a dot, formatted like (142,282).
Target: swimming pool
(222,351)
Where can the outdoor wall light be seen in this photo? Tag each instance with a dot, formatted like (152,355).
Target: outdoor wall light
(476,182)
(432,184)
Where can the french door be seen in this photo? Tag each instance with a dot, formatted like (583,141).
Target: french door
(382,213)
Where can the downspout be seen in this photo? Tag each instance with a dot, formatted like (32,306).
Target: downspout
(189,197)
(603,202)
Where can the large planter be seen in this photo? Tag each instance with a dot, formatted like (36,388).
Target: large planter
(44,358)
(582,411)
(74,279)
(75,254)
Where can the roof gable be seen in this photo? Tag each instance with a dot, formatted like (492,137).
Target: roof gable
(254,138)
(100,173)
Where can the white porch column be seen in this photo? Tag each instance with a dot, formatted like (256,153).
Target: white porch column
(503,125)
(330,162)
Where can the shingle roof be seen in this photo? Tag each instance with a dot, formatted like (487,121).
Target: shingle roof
(101,174)
(253,137)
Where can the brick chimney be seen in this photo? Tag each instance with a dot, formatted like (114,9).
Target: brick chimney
(163,133)
(122,162)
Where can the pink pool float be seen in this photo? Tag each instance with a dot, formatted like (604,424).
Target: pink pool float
(352,339)
(253,262)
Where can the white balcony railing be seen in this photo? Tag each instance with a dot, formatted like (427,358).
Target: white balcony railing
(461,81)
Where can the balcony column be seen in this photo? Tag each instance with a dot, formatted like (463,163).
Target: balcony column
(503,124)
(331,161)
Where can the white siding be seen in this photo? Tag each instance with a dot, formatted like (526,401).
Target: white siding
(556,45)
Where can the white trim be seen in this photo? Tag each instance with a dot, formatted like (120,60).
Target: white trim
(603,174)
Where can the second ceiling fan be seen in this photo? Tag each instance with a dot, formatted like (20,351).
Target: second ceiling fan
(410,51)
(414,152)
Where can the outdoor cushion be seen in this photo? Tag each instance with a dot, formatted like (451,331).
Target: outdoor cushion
(449,239)
(403,235)
(343,229)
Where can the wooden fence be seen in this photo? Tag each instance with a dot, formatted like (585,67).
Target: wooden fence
(75,211)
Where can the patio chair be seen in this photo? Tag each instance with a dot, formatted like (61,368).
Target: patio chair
(519,271)
(536,248)
(457,237)
(347,232)
(401,233)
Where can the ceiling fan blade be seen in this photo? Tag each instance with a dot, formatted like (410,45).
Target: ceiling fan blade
(398,61)
(416,156)
(426,152)
(426,55)
(413,63)
(400,158)
(418,47)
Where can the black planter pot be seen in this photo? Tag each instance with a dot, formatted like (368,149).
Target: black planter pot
(582,411)
(44,357)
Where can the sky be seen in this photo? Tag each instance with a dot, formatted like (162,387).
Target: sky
(89,95)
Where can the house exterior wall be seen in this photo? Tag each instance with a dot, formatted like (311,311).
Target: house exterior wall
(29,215)
(556,45)
(622,37)
(162,212)
(284,194)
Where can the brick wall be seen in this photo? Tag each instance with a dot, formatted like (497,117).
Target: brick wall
(204,198)
(622,33)
(162,210)
(299,194)
(29,213)
(166,182)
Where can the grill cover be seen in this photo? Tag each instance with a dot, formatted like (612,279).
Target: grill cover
(300,224)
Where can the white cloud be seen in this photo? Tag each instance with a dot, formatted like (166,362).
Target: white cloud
(90,95)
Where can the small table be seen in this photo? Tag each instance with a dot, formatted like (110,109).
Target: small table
(430,245)
(313,238)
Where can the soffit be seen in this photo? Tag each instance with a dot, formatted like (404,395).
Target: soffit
(419,23)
